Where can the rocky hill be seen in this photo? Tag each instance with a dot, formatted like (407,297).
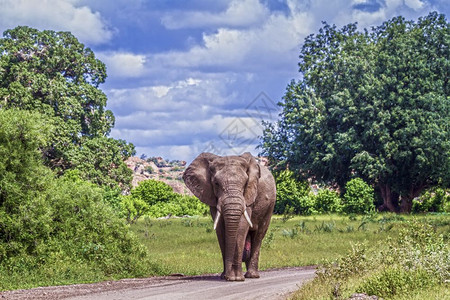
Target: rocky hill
(157,168)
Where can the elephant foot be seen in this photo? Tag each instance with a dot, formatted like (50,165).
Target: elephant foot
(252,274)
(234,278)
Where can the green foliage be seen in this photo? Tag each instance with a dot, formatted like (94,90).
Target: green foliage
(432,200)
(161,201)
(358,197)
(181,205)
(58,227)
(111,196)
(417,258)
(396,281)
(153,191)
(375,104)
(327,201)
(22,134)
(54,74)
(133,208)
(100,161)
(292,195)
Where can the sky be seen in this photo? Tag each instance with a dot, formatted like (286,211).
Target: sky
(193,76)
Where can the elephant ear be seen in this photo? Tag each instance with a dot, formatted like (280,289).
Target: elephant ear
(254,173)
(198,178)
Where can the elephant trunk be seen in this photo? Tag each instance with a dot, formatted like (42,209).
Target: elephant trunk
(232,214)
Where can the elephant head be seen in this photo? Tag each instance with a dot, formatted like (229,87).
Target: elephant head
(223,181)
(229,185)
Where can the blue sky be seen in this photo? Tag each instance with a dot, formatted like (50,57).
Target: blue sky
(191,76)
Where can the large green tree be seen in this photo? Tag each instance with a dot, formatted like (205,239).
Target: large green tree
(373,104)
(56,75)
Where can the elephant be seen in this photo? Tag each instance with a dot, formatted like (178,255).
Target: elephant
(241,195)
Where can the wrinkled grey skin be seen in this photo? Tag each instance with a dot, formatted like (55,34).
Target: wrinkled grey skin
(230,185)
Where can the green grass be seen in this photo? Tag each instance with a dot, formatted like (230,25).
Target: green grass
(190,246)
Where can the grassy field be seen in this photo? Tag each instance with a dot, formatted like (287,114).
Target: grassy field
(189,245)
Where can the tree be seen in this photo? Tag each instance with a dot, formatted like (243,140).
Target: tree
(370,104)
(54,74)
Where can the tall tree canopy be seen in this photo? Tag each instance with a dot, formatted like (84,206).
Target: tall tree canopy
(54,74)
(372,104)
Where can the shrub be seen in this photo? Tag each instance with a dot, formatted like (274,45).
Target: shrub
(418,259)
(153,191)
(292,194)
(358,197)
(327,201)
(432,200)
(181,205)
(133,208)
(393,281)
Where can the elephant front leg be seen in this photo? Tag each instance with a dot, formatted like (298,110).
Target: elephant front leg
(234,267)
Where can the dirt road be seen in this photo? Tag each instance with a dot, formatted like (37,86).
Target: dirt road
(273,284)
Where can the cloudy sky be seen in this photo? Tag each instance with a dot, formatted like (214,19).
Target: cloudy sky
(191,76)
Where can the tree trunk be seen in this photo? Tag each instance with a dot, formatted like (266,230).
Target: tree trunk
(405,205)
(407,200)
(390,199)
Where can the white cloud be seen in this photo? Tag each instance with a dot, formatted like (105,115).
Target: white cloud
(410,9)
(122,64)
(59,15)
(190,96)
(275,41)
(415,4)
(240,13)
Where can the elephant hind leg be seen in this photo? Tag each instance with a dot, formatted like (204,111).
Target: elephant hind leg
(256,241)
(252,262)
(252,271)
(247,249)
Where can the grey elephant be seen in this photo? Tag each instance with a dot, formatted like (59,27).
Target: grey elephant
(241,194)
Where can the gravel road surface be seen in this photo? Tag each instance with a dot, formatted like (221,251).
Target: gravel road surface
(273,284)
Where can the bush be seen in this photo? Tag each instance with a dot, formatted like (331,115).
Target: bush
(153,191)
(432,200)
(327,201)
(292,195)
(418,259)
(393,281)
(358,197)
(133,208)
(182,205)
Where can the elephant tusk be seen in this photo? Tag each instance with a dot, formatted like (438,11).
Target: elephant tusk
(216,221)
(247,217)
